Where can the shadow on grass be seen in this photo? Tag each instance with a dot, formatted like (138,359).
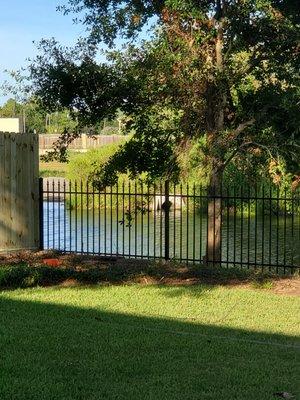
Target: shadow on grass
(62,352)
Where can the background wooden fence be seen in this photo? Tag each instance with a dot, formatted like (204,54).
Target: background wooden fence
(81,144)
(19,191)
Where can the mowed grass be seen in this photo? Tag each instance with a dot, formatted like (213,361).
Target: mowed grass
(148,342)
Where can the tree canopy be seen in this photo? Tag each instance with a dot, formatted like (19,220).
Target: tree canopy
(225,70)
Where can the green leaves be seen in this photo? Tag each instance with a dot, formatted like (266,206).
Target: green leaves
(226,71)
(105,20)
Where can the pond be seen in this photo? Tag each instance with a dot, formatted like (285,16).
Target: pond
(246,240)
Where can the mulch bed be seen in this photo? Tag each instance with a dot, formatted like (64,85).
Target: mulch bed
(112,270)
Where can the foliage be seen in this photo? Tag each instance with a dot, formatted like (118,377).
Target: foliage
(37,119)
(10,109)
(82,165)
(244,176)
(237,181)
(227,71)
(34,116)
(22,276)
(81,168)
(17,276)
(58,122)
(85,270)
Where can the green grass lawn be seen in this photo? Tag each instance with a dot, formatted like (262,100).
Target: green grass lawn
(148,342)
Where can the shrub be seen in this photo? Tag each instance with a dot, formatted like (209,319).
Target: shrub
(18,276)
(80,170)
(23,275)
(82,165)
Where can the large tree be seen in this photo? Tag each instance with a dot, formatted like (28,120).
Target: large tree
(225,69)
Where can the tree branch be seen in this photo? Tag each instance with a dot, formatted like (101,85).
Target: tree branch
(245,145)
(244,125)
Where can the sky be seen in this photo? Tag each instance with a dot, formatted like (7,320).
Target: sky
(25,21)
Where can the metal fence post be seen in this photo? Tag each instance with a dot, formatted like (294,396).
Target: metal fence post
(167,220)
(41,214)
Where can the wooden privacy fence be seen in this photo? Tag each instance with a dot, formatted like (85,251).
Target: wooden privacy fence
(19,191)
(81,144)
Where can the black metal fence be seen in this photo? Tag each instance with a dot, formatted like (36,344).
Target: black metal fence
(260,226)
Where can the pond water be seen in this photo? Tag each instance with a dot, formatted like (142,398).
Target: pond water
(256,240)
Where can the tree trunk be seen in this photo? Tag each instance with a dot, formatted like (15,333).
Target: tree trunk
(216,103)
(214,221)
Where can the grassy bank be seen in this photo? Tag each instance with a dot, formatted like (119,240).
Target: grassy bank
(52,168)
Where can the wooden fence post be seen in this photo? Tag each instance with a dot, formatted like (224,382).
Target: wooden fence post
(84,141)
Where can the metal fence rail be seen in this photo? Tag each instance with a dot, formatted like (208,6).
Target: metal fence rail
(260,227)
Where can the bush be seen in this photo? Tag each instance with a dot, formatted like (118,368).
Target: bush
(82,165)
(190,157)
(18,276)
(23,276)
(80,170)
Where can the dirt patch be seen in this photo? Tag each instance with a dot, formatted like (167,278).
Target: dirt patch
(113,270)
(287,286)
(70,283)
